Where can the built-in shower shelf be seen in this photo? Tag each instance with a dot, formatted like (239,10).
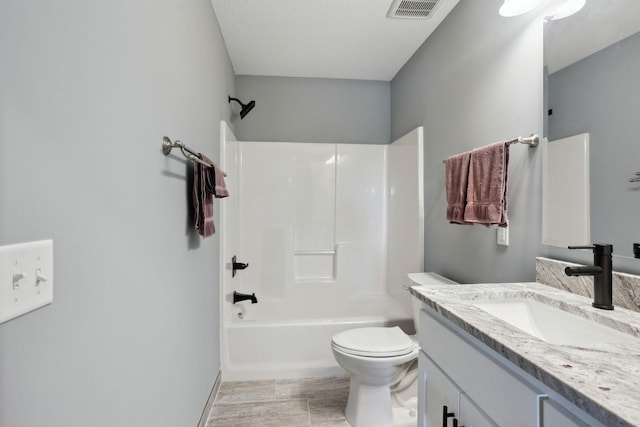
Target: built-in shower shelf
(314,265)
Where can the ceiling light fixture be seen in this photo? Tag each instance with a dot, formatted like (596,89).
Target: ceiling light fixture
(517,7)
(567,8)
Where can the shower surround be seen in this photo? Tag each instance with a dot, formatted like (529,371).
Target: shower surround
(329,232)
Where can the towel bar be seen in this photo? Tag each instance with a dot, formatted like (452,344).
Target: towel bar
(167,146)
(532,141)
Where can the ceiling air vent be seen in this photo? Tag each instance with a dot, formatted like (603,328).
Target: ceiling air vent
(412,9)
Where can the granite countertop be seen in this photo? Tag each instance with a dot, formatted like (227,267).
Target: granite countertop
(601,379)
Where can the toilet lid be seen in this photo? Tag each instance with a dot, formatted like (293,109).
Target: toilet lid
(374,342)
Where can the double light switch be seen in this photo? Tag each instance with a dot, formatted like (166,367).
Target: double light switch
(26,278)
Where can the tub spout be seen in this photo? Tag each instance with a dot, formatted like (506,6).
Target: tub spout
(237,297)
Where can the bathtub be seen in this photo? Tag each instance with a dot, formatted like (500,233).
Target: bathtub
(293,346)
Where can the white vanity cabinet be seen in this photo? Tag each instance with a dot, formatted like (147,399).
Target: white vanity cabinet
(443,398)
(481,387)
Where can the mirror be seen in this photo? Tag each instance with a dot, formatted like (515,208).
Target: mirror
(592,84)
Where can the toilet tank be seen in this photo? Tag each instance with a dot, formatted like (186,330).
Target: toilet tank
(427,280)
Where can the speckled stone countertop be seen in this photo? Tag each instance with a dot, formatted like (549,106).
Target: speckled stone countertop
(601,379)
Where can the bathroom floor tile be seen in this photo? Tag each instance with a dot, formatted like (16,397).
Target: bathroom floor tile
(246,391)
(327,411)
(343,423)
(309,402)
(278,413)
(316,388)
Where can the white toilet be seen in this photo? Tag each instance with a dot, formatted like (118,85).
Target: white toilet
(383,363)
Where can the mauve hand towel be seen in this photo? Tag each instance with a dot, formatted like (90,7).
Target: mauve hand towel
(220,187)
(487,188)
(457,175)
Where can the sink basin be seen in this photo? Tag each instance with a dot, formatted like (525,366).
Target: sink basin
(551,324)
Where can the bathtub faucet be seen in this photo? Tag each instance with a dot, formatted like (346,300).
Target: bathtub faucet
(237,297)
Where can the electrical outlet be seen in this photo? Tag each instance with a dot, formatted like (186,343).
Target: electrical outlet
(26,278)
(503,236)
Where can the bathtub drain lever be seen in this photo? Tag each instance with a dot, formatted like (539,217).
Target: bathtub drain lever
(237,266)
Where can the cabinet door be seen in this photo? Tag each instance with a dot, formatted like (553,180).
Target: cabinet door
(439,391)
(469,415)
(554,415)
(509,401)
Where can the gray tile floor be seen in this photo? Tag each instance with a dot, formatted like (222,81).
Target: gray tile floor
(312,402)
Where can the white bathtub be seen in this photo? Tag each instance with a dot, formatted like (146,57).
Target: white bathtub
(299,347)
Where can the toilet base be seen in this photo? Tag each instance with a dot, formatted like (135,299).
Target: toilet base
(368,406)
(375,406)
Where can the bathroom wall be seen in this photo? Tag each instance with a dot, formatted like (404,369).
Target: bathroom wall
(476,80)
(87,90)
(314,110)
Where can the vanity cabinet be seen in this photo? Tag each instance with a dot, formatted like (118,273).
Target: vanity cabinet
(443,398)
(481,387)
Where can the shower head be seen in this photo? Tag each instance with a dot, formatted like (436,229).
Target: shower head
(245,107)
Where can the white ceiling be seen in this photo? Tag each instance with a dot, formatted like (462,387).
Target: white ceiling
(343,39)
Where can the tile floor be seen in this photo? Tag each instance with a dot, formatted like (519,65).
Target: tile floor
(312,402)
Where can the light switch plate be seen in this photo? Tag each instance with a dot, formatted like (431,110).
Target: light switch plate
(503,236)
(26,278)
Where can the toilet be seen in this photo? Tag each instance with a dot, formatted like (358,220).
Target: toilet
(383,364)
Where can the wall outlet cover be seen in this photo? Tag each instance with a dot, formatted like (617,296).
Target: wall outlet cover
(503,236)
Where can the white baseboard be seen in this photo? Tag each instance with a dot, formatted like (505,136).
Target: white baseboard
(212,397)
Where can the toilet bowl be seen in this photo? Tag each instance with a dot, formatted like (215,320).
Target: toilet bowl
(377,359)
(383,364)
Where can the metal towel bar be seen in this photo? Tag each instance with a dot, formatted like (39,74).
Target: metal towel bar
(532,141)
(167,146)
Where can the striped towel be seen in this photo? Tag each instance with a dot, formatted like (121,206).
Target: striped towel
(219,187)
(203,187)
(207,183)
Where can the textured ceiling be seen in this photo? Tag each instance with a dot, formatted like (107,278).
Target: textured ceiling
(344,39)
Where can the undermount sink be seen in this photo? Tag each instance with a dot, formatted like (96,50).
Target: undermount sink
(551,324)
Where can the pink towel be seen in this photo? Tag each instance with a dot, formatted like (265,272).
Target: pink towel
(487,188)
(457,174)
(219,187)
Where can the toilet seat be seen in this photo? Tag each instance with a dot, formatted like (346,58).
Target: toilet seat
(374,342)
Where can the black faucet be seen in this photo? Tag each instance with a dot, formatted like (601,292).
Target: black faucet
(237,297)
(601,272)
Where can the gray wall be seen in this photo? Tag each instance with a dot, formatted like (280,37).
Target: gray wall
(314,110)
(477,80)
(87,90)
(600,95)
